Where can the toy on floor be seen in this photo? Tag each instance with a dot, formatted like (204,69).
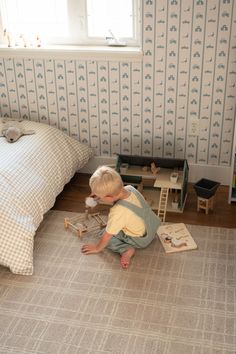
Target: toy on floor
(176,238)
(84,223)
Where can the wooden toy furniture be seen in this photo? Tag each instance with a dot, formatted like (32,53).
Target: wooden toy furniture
(205,189)
(84,223)
(155,175)
(205,204)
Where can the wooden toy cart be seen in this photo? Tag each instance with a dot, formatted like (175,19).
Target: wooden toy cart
(83,223)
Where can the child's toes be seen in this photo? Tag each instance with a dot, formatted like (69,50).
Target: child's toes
(126,256)
(124,263)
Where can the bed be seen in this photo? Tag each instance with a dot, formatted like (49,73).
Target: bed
(33,171)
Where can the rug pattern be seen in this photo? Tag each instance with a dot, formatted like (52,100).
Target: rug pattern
(164,304)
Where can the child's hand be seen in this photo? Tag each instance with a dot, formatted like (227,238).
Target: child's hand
(89,249)
(95,248)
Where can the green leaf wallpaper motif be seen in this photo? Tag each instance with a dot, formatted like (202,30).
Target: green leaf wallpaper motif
(186,79)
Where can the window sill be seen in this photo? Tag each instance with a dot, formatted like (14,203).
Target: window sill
(74,52)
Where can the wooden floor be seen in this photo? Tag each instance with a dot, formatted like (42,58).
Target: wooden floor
(223,215)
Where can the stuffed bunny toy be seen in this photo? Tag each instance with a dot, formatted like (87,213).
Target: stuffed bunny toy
(12,131)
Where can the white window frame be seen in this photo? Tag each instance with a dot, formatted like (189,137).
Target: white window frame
(77,12)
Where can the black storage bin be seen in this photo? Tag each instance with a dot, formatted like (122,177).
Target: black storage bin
(205,188)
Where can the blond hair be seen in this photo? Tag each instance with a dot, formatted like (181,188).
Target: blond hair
(105,181)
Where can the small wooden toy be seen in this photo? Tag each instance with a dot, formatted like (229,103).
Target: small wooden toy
(154,168)
(83,223)
(177,243)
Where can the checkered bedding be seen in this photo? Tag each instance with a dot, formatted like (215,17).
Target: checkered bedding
(33,171)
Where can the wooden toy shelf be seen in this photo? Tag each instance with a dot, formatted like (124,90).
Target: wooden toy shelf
(158,189)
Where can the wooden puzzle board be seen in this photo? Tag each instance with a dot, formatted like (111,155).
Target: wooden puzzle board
(178,231)
(89,223)
(83,225)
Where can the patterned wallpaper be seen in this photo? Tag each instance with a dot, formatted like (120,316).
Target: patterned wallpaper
(178,101)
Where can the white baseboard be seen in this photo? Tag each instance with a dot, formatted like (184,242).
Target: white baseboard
(219,174)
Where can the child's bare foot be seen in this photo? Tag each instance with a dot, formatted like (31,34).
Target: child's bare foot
(125,258)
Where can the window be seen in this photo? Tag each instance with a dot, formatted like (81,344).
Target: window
(75,22)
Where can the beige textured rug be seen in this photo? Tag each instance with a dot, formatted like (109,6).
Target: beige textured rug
(165,304)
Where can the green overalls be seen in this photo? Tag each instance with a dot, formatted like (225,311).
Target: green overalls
(122,242)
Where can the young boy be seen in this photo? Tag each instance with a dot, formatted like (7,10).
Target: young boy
(131,222)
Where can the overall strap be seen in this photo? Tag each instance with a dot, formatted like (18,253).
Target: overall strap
(139,196)
(137,210)
(140,211)
(151,220)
